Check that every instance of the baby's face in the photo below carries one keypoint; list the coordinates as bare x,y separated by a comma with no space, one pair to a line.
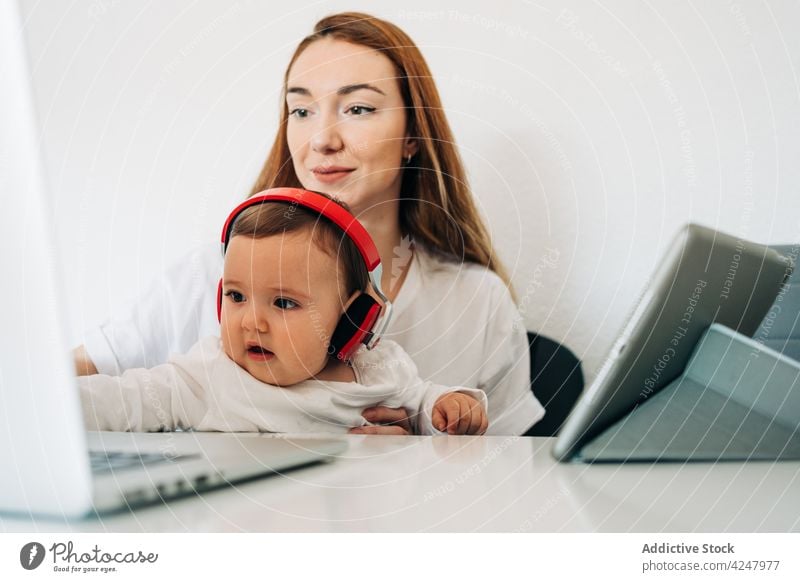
282,298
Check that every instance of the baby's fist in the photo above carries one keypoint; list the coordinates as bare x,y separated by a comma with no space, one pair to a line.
459,413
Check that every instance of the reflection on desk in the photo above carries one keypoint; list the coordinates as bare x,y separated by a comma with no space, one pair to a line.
465,484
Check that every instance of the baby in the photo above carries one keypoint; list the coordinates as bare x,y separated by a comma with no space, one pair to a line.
289,275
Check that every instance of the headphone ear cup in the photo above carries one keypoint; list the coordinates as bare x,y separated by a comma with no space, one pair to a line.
219,301
354,327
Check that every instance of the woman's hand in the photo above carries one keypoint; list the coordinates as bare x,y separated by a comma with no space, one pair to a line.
83,363
459,413
390,421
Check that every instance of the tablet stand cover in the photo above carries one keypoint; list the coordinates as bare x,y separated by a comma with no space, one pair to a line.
737,400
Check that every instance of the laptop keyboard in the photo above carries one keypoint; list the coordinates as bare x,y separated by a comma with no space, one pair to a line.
107,461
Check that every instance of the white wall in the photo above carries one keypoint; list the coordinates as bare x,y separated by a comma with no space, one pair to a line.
591,132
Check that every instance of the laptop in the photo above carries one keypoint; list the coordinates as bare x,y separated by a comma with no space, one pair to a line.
710,291
50,464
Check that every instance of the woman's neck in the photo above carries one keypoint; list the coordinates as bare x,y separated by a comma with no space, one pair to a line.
383,225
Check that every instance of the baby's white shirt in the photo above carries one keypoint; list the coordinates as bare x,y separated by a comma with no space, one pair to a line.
207,391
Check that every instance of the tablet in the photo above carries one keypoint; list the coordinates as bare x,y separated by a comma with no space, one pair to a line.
705,277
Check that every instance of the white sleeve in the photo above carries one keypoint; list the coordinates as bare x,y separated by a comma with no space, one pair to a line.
162,398
173,313
416,395
505,374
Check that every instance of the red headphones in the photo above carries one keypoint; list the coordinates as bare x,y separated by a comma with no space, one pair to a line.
356,325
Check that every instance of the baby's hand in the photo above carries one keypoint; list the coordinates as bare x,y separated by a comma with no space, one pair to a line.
459,413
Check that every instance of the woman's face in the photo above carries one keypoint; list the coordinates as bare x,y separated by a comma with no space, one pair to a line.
347,124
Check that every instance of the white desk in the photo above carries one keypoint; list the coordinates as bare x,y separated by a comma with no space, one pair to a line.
466,484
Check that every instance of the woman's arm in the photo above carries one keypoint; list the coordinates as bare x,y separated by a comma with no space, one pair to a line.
175,310
505,374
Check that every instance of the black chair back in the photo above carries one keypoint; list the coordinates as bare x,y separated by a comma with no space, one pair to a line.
556,381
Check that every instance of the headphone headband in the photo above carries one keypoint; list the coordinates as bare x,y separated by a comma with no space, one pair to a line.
324,206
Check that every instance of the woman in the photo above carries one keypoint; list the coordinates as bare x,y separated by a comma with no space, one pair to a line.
363,121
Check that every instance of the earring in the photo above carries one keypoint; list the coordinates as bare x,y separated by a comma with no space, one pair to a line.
408,159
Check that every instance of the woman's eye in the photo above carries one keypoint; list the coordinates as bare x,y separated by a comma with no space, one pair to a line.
299,112
283,303
360,110
235,296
